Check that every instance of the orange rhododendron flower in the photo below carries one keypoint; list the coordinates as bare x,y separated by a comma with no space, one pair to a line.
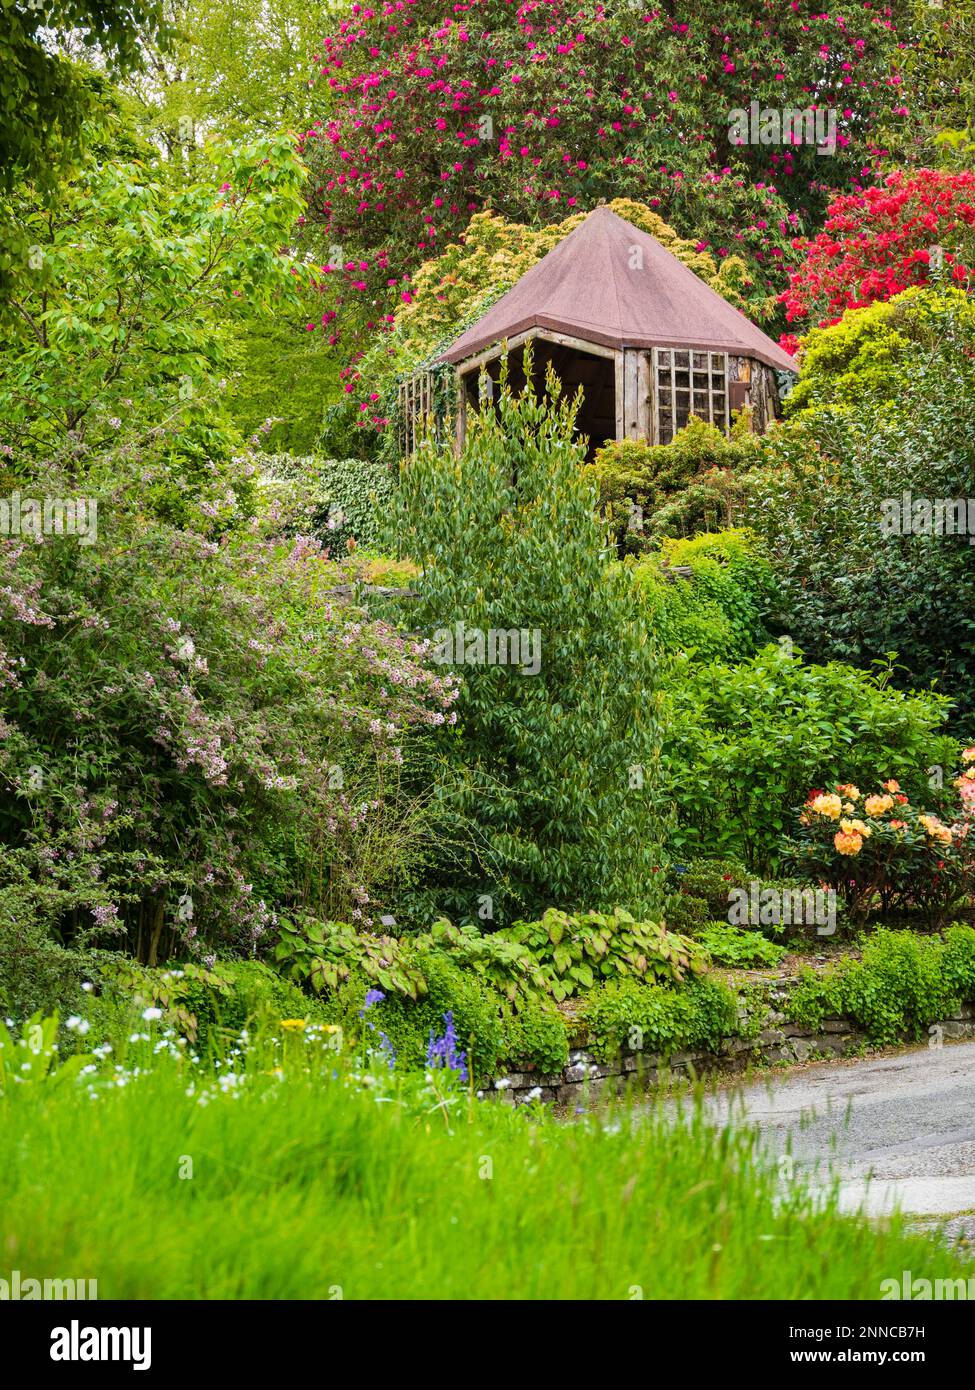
937,831
855,827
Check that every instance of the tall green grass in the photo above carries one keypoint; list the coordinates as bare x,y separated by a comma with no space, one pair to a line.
315,1182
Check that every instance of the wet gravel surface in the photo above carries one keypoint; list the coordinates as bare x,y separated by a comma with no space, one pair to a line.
898,1128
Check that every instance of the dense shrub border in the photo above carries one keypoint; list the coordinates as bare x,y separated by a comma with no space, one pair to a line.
195,732
649,492
720,611
338,500
899,987
745,742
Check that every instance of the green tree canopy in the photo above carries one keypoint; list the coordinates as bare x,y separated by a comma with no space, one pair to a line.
44,98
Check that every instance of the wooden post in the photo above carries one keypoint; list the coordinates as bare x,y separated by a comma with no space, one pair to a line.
644,402
631,393
654,436
461,428
620,396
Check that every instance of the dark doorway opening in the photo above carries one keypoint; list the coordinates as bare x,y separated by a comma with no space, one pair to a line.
596,418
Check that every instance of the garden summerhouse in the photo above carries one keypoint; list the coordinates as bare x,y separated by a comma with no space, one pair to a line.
615,313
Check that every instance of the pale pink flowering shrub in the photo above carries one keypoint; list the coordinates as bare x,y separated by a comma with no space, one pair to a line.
195,736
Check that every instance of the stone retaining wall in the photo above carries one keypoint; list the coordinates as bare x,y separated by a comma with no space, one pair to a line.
781,1041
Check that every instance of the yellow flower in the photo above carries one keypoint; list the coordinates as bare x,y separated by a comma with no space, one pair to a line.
827,805
937,831
847,842
968,756
848,790
891,786
849,807
294,1024
877,805
855,827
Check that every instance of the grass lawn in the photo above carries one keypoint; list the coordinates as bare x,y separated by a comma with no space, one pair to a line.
313,1179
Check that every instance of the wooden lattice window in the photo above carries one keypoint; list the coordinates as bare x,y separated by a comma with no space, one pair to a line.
688,383
416,406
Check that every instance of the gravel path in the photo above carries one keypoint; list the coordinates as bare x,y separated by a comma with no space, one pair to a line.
905,1121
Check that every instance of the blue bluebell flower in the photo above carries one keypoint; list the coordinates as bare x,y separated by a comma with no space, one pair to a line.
373,996
443,1051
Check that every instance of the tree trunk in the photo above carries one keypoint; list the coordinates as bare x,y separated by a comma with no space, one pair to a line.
157,926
